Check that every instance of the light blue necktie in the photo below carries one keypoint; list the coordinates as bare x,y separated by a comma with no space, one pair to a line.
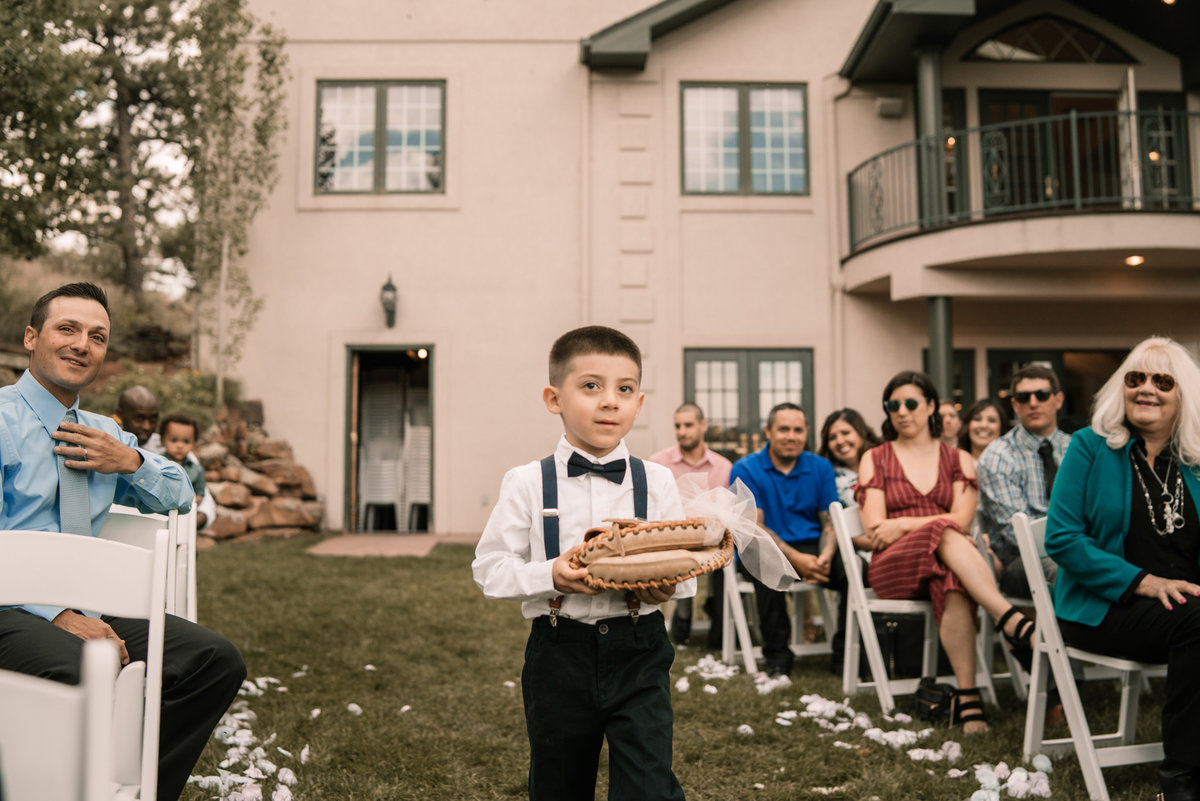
74,509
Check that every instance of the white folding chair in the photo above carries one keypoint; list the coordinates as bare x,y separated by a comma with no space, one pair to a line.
184,591
735,633
1052,655
861,603
114,578
134,527
54,738
987,634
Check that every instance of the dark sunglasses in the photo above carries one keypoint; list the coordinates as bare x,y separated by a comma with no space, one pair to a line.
894,405
1042,395
1164,382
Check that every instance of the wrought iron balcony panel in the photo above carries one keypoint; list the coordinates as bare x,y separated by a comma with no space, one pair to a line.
1067,163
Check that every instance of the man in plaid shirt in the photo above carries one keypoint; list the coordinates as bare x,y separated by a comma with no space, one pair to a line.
1017,470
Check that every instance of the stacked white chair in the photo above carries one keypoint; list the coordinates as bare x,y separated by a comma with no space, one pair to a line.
1052,656
861,603
114,578
54,738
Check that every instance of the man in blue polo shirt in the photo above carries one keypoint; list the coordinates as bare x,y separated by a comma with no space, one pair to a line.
793,489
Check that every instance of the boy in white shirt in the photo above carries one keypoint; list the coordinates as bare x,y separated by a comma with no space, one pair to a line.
597,664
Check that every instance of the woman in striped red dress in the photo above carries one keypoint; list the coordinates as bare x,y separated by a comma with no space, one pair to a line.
917,496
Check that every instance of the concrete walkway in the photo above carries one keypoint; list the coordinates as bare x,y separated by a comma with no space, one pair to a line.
388,544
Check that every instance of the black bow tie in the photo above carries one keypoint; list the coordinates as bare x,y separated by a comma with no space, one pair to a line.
614,471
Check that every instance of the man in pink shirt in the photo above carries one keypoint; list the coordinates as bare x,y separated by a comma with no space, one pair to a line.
692,455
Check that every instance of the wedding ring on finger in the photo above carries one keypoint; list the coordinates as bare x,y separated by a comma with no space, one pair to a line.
85,454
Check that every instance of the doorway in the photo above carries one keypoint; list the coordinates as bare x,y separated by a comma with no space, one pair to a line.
390,439
1049,150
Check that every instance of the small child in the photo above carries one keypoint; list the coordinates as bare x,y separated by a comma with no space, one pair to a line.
597,664
179,433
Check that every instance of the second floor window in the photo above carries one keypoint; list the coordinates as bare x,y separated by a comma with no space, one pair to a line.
380,136
746,139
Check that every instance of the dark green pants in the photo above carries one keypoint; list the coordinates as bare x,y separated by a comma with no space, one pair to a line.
202,672
583,684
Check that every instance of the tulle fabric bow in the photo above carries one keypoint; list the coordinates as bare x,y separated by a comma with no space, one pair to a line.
734,509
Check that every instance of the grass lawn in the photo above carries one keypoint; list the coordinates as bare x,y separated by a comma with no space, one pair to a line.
441,714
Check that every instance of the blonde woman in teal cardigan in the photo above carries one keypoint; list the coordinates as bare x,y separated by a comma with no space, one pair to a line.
1124,530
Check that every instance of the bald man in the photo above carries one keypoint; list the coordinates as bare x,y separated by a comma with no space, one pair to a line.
137,413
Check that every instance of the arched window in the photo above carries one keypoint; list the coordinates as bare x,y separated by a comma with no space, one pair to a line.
1049,39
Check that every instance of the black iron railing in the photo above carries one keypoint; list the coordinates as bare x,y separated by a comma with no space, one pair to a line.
1131,161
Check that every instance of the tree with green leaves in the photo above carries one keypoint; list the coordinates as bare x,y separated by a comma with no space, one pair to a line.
124,120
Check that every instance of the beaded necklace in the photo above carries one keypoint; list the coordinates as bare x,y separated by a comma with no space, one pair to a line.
1172,501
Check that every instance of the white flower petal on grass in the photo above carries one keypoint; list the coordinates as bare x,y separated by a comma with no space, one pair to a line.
783,721
1042,762
254,773
304,754
510,684
709,667
354,708
861,721
919,754
404,709
789,714
956,773
985,795
711,690
828,790
282,793
1002,771
287,754
249,688
281,689
299,674
840,744
951,750
759,786
745,730
986,776
286,776
315,713
683,685
1039,784
266,766
901,717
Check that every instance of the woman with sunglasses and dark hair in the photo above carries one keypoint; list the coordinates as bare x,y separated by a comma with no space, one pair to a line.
845,437
918,497
1124,531
985,421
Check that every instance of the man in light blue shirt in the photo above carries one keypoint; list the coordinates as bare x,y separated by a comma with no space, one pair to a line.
40,421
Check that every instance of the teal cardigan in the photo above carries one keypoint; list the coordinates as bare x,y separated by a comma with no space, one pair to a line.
1087,524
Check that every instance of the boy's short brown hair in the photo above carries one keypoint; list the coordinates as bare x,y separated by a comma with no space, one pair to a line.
587,340
180,418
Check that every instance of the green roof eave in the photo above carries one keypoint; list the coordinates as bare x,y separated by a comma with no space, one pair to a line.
626,45
884,49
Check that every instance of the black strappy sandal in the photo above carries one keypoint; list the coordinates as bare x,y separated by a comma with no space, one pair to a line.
1020,642
967,707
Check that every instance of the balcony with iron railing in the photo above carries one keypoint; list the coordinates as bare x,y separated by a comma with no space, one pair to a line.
1072,163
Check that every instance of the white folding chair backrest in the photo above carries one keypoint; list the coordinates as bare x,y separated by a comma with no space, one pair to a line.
92,574
133,527
54,738
184,595
1052,655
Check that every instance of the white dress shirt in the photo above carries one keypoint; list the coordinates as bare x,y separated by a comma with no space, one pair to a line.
510,560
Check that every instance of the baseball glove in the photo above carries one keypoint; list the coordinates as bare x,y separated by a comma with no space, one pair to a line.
635,554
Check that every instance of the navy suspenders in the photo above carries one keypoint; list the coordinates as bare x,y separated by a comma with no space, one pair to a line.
637,472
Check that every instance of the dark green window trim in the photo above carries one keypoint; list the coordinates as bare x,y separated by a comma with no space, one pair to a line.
745,145
322,155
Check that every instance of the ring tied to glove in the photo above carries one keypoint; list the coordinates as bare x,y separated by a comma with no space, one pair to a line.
636,554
